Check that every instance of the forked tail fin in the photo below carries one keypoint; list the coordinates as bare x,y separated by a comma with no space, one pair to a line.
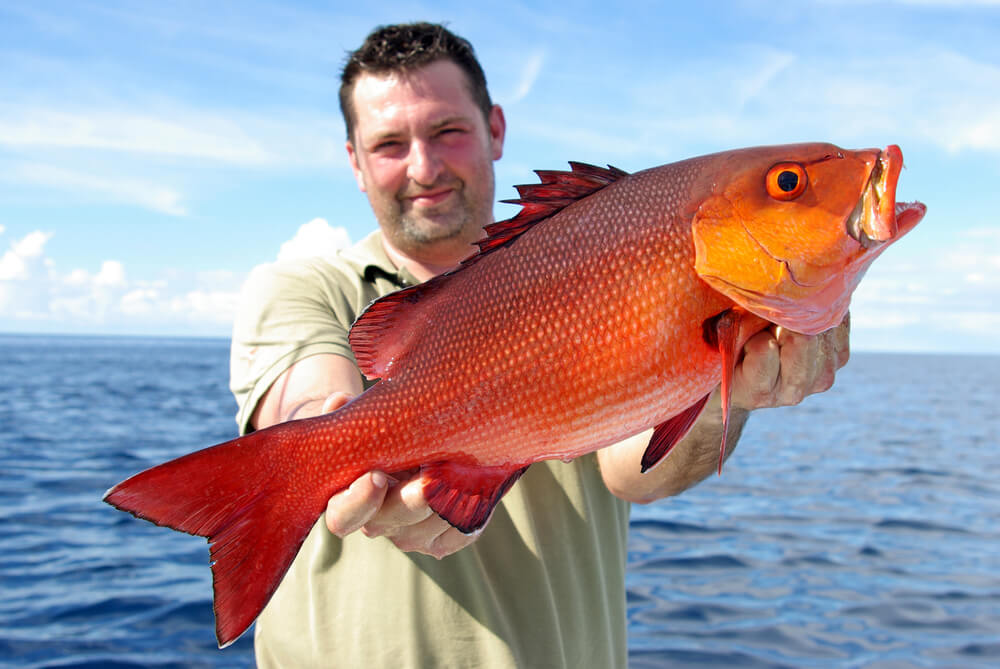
250,498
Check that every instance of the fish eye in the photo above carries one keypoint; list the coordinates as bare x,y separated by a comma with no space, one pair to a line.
786,181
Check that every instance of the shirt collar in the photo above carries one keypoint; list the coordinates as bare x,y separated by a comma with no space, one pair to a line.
369,256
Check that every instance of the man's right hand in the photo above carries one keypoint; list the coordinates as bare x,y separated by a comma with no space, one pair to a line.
393,507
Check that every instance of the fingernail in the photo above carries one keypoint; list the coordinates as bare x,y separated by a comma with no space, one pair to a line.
381,480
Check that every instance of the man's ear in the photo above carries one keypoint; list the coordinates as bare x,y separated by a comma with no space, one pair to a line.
352,156
498,129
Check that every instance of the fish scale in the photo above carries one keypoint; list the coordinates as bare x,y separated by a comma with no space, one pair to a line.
612,303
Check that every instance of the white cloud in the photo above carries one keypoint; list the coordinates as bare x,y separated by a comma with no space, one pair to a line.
940,295
758,95
23,274
206,306
112,274
529,75
16,263
145,158
315,238
117,188
219,136
36,294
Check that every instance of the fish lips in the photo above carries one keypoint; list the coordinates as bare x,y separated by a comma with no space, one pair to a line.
878,218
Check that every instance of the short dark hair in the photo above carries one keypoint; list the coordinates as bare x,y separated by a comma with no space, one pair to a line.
407,47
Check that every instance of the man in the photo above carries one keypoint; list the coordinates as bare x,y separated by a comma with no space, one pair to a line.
543,583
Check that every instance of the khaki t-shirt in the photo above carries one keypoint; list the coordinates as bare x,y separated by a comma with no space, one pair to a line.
544,586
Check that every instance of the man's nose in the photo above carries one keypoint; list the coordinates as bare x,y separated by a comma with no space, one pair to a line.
424,166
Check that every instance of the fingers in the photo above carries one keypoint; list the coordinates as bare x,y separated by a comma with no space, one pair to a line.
403,507
805,366
431,536
350,509
756,377
398,512
781,368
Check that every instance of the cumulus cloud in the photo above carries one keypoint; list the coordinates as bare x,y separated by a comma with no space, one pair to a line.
23,273
36,294
17,262
315,238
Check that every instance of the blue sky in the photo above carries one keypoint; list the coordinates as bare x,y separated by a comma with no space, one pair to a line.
151,154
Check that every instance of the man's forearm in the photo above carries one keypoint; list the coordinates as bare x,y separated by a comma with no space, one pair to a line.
689,462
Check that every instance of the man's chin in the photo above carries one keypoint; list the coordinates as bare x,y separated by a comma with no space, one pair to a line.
425,231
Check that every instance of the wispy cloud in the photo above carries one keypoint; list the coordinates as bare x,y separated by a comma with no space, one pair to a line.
116,188
762,95
200,134
943,295
530,70
213,139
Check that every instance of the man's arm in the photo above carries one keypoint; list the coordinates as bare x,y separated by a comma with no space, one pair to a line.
779,368
375,503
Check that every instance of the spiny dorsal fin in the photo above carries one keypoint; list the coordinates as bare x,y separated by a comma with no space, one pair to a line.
376,341
556,191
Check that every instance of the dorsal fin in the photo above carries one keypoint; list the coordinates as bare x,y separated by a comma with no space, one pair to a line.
557,190
375,338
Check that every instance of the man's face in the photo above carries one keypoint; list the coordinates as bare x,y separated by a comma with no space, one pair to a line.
423,153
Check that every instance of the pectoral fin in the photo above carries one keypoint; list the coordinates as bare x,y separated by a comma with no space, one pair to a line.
669,432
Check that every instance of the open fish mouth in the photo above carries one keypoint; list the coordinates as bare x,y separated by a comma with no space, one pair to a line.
873,221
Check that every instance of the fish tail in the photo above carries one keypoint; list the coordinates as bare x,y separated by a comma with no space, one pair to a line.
250,499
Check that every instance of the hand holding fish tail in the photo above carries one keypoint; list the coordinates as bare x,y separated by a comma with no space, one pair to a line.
781,367
380,505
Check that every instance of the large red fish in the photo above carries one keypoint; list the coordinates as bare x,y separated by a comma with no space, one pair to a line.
612,303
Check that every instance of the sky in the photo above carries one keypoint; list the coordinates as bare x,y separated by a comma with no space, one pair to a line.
151,154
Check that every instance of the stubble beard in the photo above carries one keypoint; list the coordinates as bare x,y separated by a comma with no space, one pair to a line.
465,219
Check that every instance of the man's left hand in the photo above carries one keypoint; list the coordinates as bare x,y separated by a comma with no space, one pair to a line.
781,368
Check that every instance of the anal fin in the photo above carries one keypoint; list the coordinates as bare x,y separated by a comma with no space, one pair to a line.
669,432
465,495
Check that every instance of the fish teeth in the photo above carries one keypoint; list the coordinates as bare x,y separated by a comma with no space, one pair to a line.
856,221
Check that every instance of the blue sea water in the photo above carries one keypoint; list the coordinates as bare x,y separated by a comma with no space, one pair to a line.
859,529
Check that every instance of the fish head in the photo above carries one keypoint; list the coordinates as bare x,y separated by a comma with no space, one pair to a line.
788,232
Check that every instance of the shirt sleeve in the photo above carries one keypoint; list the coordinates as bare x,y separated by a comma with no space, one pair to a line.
287,312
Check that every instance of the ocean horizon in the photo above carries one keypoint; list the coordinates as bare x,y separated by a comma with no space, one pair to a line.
858,529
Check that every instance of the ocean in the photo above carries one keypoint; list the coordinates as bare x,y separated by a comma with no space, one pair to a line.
858,529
